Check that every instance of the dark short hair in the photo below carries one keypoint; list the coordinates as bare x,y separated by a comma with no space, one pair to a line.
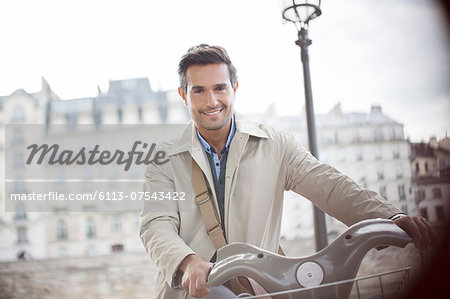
201,55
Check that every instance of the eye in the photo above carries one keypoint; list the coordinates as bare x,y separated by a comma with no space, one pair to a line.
220,88
198,91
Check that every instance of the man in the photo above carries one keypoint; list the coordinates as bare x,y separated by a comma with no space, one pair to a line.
248,166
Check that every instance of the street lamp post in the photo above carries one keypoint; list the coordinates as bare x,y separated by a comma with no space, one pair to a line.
300,12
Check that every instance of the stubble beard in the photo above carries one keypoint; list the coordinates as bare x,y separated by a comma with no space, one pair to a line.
212,125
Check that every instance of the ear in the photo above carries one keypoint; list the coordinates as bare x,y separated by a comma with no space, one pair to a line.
235,87
183,96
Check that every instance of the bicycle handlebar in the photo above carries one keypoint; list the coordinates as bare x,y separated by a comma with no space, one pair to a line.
338,261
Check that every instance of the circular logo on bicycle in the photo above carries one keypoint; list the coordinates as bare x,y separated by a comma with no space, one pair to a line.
309,274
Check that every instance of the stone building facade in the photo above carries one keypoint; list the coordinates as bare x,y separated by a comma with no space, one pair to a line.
369,147
60,232
431,179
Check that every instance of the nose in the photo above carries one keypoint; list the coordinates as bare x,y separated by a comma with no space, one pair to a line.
213,99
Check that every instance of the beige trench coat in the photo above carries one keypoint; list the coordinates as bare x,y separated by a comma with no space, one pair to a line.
262,164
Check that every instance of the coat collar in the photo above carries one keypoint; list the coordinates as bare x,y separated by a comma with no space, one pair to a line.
188,140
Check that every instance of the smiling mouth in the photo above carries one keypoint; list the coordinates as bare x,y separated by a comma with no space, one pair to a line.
213,113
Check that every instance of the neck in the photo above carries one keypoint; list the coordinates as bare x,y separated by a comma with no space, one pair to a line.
216,138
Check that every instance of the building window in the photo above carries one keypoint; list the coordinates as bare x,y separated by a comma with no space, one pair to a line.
71,121
97,117
18,115
417,168
119,115
377,135
359,154
399,171
392,134
20,213
377,153
380,174
383,192
17,137
441,163
396,153
426,166
440,213
420,194
116,225
437,193
61,230
424,212
19,161
401,192
22,235
117,248
19,186
140,114
90,228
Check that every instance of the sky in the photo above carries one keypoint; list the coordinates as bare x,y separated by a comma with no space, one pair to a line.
373,52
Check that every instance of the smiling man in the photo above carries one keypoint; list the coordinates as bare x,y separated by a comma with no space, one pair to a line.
209,95
247,167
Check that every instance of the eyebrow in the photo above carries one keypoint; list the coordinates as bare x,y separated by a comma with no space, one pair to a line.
221,85
215,85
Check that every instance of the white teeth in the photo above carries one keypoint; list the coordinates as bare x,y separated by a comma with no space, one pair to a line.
213,113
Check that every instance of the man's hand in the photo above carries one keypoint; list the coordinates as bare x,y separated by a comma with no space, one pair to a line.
418,229
195,272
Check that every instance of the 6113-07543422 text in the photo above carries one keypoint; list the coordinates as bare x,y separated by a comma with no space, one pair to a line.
98,195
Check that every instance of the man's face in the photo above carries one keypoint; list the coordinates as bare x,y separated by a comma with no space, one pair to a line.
209,95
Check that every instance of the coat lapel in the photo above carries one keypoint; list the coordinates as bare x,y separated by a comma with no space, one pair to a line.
234,155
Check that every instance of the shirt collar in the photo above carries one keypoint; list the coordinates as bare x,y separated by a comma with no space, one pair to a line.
208,148
187,139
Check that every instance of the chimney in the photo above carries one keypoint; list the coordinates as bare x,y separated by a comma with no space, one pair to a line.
336,110
433,142
376,109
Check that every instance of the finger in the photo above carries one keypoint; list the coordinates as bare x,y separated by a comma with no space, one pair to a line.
408,225
190,286
200,286
193,291
185,284
423,231
198,291
431,233
414,231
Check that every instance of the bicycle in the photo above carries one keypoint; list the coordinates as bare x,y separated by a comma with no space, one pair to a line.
329,273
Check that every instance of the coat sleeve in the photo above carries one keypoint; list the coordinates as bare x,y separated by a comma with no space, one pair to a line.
330,190
160,222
